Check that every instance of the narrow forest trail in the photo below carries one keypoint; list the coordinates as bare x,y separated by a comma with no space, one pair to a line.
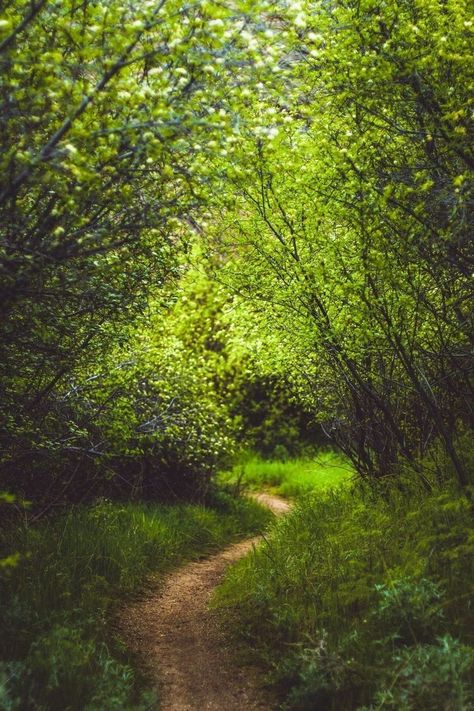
180,642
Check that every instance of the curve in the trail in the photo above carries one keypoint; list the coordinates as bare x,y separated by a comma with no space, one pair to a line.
182,644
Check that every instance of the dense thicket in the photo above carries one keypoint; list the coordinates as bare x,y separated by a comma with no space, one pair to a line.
322,153
115,121
354,225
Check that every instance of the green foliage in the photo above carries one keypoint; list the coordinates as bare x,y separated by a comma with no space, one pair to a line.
167,408
359,597
65,669
411,610
151,420
56,648
293,477
116,119
133,134
316,158
350,241
427,675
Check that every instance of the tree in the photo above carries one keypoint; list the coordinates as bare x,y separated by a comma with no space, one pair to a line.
115,118
353,228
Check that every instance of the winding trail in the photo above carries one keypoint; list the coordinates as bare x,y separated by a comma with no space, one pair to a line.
181,644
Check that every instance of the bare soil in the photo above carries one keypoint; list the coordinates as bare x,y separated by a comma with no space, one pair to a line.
183,648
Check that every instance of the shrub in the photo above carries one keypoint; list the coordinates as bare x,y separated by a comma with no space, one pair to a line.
429,676
67,670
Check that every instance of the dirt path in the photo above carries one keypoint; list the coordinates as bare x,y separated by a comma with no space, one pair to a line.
181,643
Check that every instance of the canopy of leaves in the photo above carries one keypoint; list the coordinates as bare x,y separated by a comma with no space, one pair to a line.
320,157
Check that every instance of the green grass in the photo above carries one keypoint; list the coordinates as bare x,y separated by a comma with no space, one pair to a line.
359,597
57,650
292,478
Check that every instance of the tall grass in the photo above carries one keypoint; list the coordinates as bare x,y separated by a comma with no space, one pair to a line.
292,478
362,598
57,650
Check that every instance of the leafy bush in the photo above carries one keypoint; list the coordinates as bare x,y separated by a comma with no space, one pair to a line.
429,676
149,421
167,429
411,610
66,669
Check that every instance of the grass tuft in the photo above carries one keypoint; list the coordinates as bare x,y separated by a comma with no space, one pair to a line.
292,478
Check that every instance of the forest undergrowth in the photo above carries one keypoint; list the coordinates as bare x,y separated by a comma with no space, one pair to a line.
58,648
361,598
